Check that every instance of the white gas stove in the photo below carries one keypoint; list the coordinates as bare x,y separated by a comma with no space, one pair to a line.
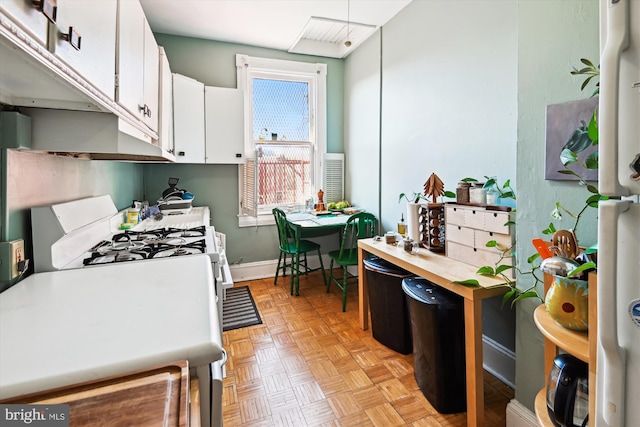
85,235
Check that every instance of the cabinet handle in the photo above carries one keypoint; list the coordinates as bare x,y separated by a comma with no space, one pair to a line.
48,8
238,155
73,37
170,150
181,153
146,111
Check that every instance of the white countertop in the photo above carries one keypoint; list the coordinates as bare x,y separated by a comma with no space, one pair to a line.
64,327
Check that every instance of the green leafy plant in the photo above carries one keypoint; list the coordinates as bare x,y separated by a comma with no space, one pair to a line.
581,139
591,71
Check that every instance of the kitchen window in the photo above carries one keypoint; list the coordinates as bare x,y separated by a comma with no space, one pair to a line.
285,135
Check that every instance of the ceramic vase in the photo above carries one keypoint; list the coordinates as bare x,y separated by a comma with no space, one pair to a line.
567,302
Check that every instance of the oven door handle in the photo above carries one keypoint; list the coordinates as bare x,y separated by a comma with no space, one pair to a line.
223,361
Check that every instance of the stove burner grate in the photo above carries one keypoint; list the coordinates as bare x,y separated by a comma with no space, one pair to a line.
197,247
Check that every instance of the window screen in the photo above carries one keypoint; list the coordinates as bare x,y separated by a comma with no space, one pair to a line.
280,110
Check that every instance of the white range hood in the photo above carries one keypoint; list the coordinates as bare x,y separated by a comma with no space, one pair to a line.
100,136
31,76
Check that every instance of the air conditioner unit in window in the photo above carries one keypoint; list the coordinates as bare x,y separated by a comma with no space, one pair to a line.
333,177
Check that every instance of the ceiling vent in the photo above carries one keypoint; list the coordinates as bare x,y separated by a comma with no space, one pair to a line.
327,37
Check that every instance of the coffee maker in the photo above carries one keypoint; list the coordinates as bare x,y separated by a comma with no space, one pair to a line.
568,392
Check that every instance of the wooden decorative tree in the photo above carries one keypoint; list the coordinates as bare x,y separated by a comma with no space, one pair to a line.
431,216
433,188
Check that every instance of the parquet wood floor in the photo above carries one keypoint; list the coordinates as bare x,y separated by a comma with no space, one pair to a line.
310,364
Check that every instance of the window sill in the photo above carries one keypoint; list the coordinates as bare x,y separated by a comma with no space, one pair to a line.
252,221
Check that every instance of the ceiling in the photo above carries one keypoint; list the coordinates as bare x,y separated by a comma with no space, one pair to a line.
276,24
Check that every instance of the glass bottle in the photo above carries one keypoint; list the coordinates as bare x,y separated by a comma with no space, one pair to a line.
402,226
492,196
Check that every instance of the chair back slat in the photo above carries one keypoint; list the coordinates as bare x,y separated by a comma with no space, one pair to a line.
359,226
285,233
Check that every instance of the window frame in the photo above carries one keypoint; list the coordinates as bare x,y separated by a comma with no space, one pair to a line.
316,75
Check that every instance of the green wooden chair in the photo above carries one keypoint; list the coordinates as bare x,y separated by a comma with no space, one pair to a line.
291,244
359,226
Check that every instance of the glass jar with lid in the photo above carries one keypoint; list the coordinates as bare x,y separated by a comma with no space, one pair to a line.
477,194
462,192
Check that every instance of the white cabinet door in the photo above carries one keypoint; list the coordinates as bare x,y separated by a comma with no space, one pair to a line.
224,128
188,119
165,122
151,78
27,17
137,59
95,24
130,56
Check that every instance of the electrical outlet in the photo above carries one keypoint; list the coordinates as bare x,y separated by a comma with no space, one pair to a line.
17,255
11,254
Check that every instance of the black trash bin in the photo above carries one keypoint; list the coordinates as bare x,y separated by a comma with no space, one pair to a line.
437,324
389,316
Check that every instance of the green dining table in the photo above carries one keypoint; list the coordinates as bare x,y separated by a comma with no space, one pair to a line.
317,225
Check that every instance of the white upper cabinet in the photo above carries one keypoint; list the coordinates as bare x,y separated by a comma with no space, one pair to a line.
165,126
84,37
137,64
29,17
188,119
224,128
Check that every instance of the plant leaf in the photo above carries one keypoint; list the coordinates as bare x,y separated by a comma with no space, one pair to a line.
472,283
529,294
588,63
486,271
469,180
593,201
507,195
592,161
593,127
450,194
567,157
593,249
592,189
568,172
503,267
507,296
491,244
550,229
533,258
583,267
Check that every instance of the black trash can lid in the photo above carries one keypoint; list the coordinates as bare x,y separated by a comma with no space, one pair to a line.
383,266
420,289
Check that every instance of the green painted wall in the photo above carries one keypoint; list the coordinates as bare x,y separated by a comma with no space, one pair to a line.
213,63
470,100
552,37
424,98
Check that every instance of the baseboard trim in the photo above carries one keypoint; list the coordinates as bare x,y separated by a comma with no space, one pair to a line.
499,361
519,416
264,269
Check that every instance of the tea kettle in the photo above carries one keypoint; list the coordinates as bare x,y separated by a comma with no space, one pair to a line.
568,392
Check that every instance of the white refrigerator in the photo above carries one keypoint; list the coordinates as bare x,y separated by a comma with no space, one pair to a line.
618,358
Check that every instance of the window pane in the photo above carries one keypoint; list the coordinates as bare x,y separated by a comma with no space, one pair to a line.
284,174
280,107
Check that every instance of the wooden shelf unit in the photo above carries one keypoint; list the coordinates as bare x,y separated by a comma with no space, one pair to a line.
579,344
